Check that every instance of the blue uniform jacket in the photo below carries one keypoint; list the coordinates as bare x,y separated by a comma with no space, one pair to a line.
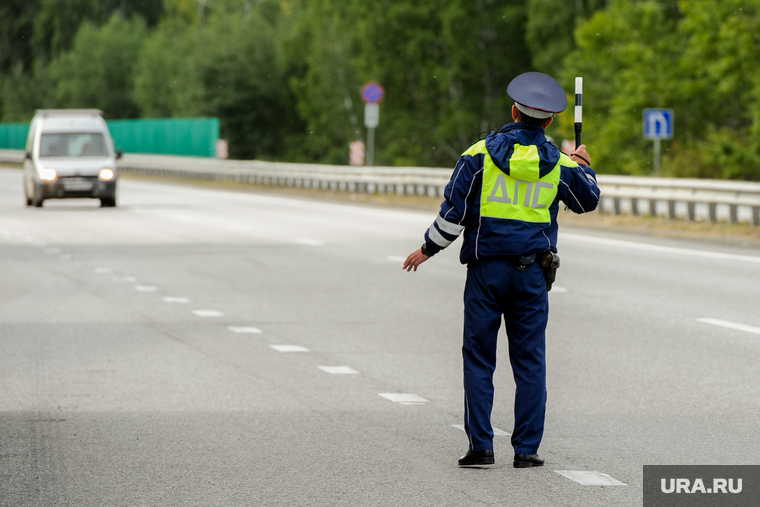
486,237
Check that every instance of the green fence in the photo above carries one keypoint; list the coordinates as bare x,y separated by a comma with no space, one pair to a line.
13,135
166,136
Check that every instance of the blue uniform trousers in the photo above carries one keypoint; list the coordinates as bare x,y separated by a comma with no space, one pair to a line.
494,288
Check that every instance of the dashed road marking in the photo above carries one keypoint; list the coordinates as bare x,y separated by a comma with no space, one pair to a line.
309,242
404,398
103,270
496,431
557,288
244,329
395,258
208,313
338,370
731,325
171,299
124,279
290,348
590,478
146,288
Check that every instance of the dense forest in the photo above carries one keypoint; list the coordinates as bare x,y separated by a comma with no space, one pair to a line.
284,76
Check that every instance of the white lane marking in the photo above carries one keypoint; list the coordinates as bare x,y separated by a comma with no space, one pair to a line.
244,329
310,242
124,279
171,299
661,249
338,370
289,348
395,258
104,270
208,313
403,398
496,431
146,288
590,478
557,288
731,325
53,250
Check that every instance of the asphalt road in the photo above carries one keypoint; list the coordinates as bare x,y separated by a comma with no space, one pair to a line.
142,359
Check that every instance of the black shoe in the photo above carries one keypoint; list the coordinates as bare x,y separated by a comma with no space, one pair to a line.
528,460
477,458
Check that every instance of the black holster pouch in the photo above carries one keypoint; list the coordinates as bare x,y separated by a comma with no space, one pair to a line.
549,263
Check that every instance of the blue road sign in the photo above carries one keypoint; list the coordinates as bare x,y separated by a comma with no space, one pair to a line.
658,123
373,93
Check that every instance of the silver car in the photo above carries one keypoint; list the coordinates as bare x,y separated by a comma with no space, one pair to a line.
70,153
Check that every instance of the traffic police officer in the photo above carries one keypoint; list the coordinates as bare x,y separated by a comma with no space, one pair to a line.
504,195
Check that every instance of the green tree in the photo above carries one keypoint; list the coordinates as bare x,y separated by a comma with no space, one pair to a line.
550,30
445,68
629,58
99,70
167,79
245,81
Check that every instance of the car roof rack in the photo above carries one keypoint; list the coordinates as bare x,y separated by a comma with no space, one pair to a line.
69,112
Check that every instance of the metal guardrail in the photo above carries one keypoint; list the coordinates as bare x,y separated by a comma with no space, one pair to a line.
691,199
14,157
691,193
399,180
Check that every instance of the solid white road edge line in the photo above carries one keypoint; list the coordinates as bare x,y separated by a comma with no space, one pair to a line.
590,478
731,325
655,248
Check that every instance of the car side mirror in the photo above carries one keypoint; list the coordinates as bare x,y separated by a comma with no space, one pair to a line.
119,154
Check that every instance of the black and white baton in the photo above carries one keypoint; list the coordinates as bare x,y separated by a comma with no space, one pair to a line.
578,110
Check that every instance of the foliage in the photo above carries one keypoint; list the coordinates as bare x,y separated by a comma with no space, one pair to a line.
167,80
99,70
284,76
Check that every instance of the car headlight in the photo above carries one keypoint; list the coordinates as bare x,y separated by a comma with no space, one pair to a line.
106,174
48,174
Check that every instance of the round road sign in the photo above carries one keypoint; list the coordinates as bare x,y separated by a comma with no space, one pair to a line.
373,92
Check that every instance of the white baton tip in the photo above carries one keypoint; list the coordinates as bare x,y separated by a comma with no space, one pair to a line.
578,114
578,85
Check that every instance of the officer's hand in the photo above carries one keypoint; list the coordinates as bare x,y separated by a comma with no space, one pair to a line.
415,259
580,154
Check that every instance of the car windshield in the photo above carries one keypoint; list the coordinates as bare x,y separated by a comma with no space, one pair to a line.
80,144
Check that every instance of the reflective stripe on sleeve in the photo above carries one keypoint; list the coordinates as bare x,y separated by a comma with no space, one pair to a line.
448,227
437,238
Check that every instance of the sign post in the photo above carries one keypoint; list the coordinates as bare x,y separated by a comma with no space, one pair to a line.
658,124
372,94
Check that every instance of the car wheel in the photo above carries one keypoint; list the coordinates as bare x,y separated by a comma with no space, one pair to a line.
108,202
26,196
37,197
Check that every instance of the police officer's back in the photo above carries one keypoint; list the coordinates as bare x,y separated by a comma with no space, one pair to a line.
504,195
